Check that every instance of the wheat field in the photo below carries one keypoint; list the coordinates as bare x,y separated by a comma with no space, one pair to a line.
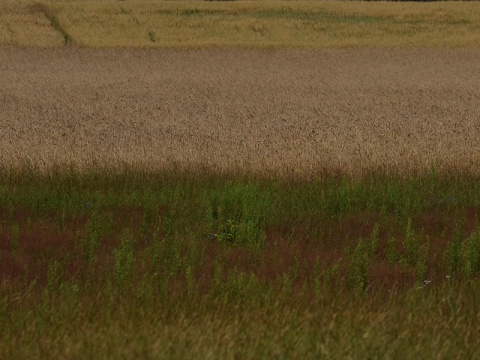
270,112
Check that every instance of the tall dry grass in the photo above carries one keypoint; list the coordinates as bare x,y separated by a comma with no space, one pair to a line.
288,113
20,25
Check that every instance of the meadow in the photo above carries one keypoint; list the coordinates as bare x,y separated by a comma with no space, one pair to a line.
264,24
239,180
174,265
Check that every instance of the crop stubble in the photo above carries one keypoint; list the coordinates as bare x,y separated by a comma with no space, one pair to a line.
285,112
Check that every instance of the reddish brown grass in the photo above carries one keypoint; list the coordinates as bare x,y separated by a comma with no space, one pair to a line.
41,241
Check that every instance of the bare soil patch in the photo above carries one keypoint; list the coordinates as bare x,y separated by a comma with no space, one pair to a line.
274,112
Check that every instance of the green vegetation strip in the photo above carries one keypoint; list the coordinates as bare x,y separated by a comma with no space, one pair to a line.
181,265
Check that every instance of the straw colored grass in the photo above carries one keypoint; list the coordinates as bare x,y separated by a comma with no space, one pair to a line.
148,24
21,26
286,113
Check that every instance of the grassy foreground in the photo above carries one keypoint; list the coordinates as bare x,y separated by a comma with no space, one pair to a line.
190,24
197,265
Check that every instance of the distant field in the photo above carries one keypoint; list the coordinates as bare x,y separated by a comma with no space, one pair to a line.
180,24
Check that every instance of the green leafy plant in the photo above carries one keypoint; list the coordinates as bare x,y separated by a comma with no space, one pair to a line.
90,241
453,253
228,232
358,265
392,250
412,244
471,254
124,258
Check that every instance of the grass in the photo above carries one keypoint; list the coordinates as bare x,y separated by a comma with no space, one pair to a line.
172,264
20,26
175,264
198,24
54,22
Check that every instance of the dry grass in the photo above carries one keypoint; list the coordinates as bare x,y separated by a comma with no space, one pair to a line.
288,112
20,25
147,24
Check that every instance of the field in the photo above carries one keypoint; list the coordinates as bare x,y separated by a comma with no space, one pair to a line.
239,180
286,113
271,24
181,265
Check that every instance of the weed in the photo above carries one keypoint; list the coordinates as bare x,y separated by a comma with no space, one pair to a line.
392,250
422,263
358,263
15,238
164,274
91,238
471,254
54,276
124,258
228,232
374,241
411,244
152,36
330,276
454,251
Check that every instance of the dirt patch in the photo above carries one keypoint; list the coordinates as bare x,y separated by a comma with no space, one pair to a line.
275,112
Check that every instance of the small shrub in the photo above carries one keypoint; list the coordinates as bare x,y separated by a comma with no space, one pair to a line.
228,232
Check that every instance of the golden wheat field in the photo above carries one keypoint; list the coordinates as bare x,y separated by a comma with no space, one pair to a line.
288,112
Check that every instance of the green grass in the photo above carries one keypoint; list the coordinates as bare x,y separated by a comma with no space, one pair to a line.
182,265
